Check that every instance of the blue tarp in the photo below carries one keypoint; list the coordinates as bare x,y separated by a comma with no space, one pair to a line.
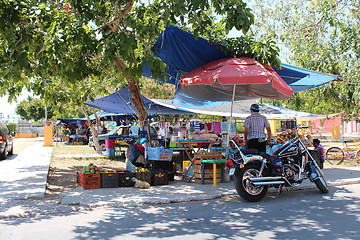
120,102
102,116
182,53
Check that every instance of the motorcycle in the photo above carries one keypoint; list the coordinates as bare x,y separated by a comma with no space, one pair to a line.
255,171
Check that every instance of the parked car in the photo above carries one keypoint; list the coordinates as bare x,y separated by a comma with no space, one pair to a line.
120,132
6,142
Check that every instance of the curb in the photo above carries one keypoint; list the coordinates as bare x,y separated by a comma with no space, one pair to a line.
203,197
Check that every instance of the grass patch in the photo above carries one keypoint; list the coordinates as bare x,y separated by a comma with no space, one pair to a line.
72,149
78,149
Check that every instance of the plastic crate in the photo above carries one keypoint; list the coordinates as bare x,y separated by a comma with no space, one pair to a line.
125,179
159,178
159,154
144,176
110,180
90,181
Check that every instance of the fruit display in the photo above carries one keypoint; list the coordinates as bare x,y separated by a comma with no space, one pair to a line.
140,169
90,169
289,134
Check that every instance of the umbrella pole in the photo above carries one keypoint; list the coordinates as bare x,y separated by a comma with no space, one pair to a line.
229,125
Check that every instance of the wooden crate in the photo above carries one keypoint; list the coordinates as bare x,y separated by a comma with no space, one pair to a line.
208,175
218,170
207,167
208,181
208,156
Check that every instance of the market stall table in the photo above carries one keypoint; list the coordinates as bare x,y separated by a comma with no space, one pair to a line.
188,144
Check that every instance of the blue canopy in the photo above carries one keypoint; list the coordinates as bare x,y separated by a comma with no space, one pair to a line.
182,53
102,116
120,102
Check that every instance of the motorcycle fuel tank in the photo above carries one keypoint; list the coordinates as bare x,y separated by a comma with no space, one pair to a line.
288,149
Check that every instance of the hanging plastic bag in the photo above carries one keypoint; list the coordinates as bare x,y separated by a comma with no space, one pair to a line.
189,174
128,164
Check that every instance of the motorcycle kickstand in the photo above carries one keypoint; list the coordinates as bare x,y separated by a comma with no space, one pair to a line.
280,189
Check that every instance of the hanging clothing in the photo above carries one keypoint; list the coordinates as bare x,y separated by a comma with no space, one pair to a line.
197,126
217,127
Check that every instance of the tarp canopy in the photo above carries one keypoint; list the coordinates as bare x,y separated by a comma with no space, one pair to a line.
120,102
242,110
103,116
71,121
182,53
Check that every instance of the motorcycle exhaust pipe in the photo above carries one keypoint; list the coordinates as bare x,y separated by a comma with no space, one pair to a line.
268,183
265,179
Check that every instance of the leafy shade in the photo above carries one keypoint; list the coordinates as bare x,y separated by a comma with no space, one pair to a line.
322,36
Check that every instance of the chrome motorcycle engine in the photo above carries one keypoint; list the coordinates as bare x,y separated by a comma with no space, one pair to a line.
291,172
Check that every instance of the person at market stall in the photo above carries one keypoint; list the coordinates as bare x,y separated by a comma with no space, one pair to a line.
137,152
320,148
168,135
104,130
254,133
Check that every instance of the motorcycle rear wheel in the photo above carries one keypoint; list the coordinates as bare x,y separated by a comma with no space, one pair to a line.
245,190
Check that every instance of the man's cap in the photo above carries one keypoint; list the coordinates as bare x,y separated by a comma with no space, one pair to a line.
255,107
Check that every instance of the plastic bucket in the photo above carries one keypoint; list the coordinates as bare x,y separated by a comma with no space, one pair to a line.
110,143
185,164
110,152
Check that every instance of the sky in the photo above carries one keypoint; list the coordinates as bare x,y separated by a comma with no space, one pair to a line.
8,109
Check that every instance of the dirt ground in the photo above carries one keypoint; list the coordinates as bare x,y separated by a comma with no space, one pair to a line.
63,168
62,171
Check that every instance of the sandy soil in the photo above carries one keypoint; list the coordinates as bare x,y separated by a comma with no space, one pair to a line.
62,170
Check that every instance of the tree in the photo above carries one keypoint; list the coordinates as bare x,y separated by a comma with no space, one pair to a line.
323,36
57,47
32,109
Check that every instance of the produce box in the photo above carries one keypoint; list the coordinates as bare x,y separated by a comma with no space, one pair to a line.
144,176
125,179
159,154
159,178
110,179
90,181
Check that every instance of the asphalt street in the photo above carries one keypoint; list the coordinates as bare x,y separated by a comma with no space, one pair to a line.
303,214
23,183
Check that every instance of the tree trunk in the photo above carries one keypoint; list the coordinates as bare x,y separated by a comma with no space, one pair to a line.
137,101
94,129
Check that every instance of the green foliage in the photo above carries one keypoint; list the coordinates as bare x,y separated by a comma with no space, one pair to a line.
33,109
71,51
322,36
11,127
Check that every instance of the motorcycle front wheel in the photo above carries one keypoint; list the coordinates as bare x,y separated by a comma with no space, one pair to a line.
243,186
321,183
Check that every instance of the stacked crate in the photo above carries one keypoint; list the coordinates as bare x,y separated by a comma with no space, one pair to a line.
208,168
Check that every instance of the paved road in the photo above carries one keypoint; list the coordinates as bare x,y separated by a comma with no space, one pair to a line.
294,215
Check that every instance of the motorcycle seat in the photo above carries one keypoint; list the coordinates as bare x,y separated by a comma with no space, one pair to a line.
268,156
250,151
